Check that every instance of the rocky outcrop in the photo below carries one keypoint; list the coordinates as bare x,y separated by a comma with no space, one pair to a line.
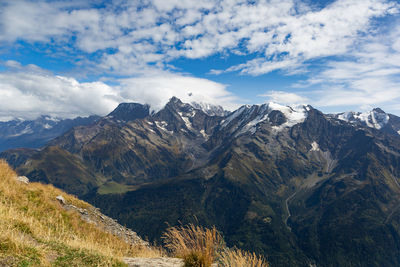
94,216
22,179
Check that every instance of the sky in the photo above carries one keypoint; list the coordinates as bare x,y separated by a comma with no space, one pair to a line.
81,57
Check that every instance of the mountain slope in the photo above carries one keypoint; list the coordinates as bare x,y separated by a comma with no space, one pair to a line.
37,230
290,182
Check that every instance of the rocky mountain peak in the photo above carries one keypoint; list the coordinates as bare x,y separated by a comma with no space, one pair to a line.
378,110
375,118
174,101
210,109
247,118
181,117
130,111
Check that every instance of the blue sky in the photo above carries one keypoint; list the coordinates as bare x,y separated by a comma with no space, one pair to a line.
70,58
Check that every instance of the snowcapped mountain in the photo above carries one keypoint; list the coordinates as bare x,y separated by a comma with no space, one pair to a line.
376,118
210,109
247,118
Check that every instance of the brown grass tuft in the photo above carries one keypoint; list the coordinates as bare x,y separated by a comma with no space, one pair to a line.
239,258
197,246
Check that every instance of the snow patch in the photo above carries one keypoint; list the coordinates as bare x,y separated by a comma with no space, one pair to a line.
47,126
372,119
26,130
314,146
49,118
203,133
186,120
234,115
346,116
252,125
259,113
162,125
294,115
210,109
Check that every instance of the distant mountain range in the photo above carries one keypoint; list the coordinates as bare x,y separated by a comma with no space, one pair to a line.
302,187
36,133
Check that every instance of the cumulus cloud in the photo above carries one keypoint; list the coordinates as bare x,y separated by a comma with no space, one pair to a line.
42,20
28,93
156,90
286,98
133,35
141,39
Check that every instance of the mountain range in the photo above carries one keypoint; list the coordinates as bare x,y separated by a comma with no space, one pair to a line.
36,133
302,187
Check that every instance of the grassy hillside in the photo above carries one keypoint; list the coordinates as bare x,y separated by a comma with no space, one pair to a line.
35,230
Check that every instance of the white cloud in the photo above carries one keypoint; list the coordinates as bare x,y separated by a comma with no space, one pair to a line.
286,98
368,76
28,93
172,29
309,35
157,89
12,64
259,66
142,38
40,20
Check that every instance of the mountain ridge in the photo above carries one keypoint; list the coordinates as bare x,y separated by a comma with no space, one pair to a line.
36,133
269,177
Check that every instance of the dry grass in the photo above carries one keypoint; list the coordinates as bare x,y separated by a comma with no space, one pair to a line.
201,247
197,246
239,258
36,230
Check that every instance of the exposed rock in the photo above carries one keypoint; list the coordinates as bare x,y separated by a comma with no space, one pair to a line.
130,112
94,216
61,199
22,179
